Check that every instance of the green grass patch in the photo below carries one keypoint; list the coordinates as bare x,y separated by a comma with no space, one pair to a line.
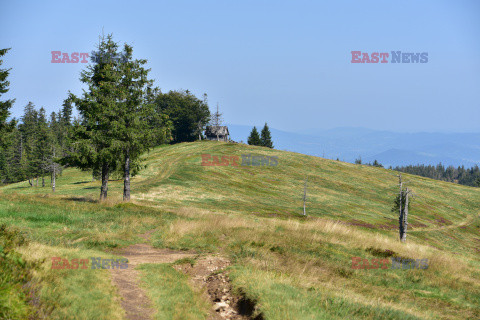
171,294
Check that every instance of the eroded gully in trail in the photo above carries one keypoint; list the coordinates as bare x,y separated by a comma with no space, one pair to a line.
206,274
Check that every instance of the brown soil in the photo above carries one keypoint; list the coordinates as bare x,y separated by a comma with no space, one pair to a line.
208,273
134,299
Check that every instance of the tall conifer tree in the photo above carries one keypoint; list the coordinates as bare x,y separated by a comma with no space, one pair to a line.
95,145
254,138
6,127
134,109
266,137
116,112
5,106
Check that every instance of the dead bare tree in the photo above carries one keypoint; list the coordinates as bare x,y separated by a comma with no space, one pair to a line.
403,201
52,167
305,196
199,129
217,121
54,172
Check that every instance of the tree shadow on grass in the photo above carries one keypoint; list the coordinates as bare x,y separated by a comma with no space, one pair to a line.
81,182
20,187
82,199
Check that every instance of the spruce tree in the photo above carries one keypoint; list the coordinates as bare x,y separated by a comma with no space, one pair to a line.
95,145
5,106
43,145
116,113
28,131
63,128
6,127
266,137
15,159
254,138
66,113
52,165
134,109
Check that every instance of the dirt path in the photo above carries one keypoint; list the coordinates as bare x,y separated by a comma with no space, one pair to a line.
134,299
206,274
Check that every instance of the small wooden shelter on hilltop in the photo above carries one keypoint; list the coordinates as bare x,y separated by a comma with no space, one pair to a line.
219,133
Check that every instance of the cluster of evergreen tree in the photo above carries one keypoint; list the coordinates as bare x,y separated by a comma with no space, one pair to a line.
121,115
117,120
34,145
375,163
461,175
6,127
26,148
264,139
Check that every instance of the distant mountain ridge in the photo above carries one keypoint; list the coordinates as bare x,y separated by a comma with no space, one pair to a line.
389,148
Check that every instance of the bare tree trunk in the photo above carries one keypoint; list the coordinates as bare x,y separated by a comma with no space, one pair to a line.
93,175
21,148
53,179
37,183
305,196
405,217
400,216
43,182
126,181
54,173
31,182
104,188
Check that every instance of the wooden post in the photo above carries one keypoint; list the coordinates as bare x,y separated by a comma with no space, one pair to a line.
305,196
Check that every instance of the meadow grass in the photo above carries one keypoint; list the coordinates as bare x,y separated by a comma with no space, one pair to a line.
171,294
73,293
72,229
294,267
315,256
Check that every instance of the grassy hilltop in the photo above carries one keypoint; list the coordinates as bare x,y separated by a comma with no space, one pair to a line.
293,267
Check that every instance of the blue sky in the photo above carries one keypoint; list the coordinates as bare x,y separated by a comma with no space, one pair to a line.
284,62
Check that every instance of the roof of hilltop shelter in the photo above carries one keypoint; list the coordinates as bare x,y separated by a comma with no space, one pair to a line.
214,130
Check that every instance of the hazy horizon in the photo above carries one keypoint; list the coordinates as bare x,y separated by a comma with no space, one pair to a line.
308,131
